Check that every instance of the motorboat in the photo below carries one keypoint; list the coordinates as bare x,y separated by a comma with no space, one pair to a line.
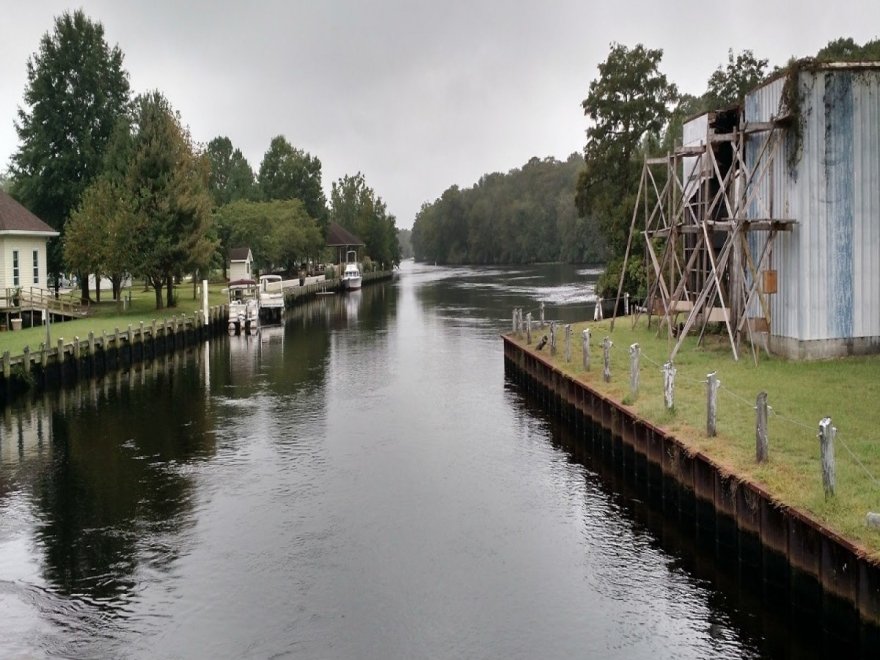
244,307
351,274
271,298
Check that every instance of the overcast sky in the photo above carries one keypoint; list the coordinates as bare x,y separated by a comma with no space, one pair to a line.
416,95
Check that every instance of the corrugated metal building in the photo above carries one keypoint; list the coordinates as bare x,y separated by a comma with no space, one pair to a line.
828,265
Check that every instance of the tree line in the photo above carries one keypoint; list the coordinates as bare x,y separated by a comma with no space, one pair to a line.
580,210
120,177
526,215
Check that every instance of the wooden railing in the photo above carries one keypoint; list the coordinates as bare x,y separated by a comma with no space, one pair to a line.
36,299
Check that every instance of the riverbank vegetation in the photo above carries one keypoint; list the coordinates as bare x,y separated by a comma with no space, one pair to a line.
799,394
120,177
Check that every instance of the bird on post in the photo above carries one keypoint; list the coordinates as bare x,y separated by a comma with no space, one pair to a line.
542,343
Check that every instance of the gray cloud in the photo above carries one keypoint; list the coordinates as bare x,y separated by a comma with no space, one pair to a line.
416,95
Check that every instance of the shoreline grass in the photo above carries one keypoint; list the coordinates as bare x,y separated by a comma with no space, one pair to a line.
109,315
799,394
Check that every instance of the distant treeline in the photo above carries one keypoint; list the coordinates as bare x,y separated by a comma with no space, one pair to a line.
527,215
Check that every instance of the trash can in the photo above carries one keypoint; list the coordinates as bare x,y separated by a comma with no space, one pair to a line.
16,324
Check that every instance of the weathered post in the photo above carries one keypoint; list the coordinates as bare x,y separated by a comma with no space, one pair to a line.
826,444
634,352
712,384
585,347
761,448
76,351
626,304
606,365
568,342
552,337
669,385
61,350
7,366
542,314
130,334
26,359
597,310
513,330
529,328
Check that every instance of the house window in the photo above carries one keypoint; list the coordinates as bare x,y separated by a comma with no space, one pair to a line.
36,266
15,280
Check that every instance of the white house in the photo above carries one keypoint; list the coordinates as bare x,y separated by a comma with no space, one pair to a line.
240,264
23,239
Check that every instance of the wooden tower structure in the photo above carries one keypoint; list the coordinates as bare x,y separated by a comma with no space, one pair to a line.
706,219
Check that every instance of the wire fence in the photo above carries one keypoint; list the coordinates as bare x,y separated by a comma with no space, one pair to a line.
745,401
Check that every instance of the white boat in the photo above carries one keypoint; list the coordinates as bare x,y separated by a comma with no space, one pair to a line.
271,298
244,307
351,275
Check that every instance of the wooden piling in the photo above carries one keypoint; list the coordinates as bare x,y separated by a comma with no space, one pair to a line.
606,359
585,347
669,385
827,433
761,445
712,384
634,352
568,342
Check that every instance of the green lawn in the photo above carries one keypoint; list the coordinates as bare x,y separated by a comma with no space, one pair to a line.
799,393
109,315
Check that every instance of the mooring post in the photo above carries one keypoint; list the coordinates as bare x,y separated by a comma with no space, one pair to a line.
130,334
7,366
92,345
669,385
626,304
712,384
606,365
61,350
529,328
513,329
634,352
761,448
585,347
542,314
552,337
26,359
568,342
826,444
141,333
76,350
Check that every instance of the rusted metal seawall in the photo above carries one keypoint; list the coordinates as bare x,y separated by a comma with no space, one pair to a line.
786,546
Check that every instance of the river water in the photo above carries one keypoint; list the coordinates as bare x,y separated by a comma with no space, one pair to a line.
360,483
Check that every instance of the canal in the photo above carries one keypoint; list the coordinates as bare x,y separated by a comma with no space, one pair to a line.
362,482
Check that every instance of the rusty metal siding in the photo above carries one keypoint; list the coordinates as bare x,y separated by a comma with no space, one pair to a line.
829,265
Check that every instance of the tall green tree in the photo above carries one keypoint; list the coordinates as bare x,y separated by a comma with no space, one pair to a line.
728,86
355,206
76,89
630,99
290,173
231,175
168,183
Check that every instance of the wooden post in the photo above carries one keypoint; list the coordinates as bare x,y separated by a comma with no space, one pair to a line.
568,342
529,328
585,347
761,448
61,350
542,314
141,333
26,359
7,367
597,310
606,365
513,330
826,444
712,384
92,345
44,357
552,337
130,334
76,349
116,340
669,385
634,352
626,304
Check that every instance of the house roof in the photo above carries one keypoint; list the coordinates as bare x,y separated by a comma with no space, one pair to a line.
15,218
339,236
239,253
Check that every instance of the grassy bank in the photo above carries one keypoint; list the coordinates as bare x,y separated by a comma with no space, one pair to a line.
109,315
799,393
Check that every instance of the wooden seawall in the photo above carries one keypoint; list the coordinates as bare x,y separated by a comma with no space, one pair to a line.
94,355
790,550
